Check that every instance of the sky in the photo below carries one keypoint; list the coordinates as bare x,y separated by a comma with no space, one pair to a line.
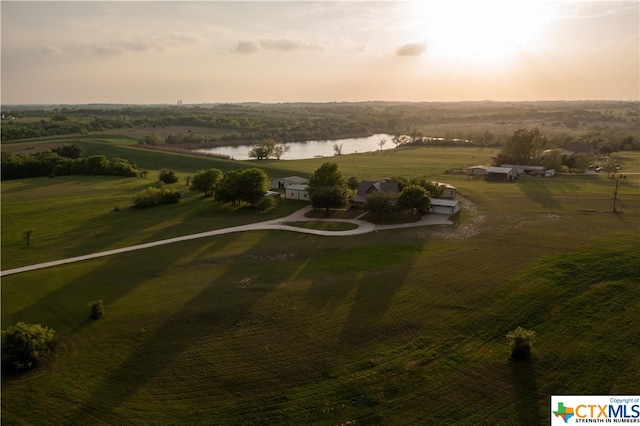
158,52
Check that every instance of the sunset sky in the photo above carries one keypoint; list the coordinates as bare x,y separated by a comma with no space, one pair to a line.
200,52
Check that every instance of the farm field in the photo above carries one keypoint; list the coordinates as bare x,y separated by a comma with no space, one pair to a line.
271,327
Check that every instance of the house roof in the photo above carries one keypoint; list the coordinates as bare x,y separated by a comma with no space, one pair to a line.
501,170
382,186
443,202
297,187
479,167
523,167
446,185
294,179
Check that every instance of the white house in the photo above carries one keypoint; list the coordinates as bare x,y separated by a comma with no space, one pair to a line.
449,191
288,181
442,206
296,192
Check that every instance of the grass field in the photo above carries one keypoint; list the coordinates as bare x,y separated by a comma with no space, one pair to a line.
271,327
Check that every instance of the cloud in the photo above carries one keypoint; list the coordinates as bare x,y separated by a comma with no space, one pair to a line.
145,43
246,47
286,45
278,45
412,49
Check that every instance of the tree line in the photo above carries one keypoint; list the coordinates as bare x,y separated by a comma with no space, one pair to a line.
64,160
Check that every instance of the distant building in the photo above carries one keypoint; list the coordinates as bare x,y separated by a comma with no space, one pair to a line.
501,173
524,170
477,170
296,192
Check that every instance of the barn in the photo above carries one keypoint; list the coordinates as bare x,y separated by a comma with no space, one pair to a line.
288,181
477,170
501,173
296,192
442,206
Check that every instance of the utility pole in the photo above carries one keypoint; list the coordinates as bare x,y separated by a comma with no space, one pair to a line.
615,195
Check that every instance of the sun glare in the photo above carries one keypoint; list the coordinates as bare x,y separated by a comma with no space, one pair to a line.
478,31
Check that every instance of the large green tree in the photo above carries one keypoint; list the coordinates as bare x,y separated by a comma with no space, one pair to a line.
265,148
414,198
522,147
380,202
206,181
327,188
248,185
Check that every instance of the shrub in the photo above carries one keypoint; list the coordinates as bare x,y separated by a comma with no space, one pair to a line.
521,340
267,203
25,346
97,309
154,196
168,176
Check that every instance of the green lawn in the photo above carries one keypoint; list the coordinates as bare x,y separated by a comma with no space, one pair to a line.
273,327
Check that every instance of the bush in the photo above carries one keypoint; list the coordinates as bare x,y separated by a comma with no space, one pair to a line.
97,309
521,340
168,176
154,196
267,203
25,346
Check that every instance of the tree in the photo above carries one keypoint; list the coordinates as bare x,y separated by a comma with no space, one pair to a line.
280,150
327,188
337,148
328,197
413,197
522,147
206,181
227,190
353,183
252,186
168,176
247,185
262,149
381,142
380,202
25,346
68,151
521,341
26,236
552,160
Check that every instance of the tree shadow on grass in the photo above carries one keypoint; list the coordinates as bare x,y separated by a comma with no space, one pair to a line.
217,308
523,379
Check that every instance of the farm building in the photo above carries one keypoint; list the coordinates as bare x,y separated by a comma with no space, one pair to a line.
296,192
368,187
525,170
442,206
478,170
288,181
501,173
449,191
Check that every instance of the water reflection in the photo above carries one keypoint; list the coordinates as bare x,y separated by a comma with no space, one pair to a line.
311,149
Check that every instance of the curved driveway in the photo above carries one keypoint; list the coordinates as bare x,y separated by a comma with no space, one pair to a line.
280,224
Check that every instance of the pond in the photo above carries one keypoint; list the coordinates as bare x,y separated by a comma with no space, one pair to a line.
311,149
